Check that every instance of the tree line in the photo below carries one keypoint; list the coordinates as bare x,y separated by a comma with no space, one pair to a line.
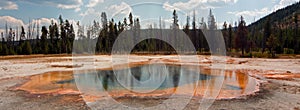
55,39
241,39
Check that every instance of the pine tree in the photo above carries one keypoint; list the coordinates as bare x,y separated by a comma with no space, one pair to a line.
22,37
71,38
187,26
295,36
130,17
272,43
267,33
175,20
230,37
195,37
63,36
203,25
211,21
225,35
104,20
57,45
111,35
125,23
44,42
102,43
27,50
241,39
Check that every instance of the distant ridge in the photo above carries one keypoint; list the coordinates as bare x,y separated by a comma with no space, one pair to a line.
283,17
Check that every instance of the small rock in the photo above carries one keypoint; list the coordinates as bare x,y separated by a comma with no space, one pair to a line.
241,62
4,68
284,89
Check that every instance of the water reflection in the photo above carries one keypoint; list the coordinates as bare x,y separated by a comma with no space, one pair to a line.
242,80
236,83
141,73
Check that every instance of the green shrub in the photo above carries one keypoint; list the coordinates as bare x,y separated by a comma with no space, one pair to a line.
261,55
288,51
11,51
26,49
4,50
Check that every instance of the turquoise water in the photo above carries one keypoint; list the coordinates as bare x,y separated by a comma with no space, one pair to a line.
173,76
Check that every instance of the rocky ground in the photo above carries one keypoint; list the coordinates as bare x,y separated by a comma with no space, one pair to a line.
280,88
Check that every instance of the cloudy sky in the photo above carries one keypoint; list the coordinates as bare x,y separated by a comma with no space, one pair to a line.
20,12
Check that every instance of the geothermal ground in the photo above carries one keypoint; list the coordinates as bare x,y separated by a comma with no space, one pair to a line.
279,80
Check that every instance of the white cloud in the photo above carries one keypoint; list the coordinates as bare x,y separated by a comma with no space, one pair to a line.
63,4
123,8
192,4
89,11
72,4
90,14
264,11
77,9
251,13
93,3
167,6
11,21
43,21
112,11
284,3
8,5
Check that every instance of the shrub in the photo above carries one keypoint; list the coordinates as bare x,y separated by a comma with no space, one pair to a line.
27,50
261,55
288,51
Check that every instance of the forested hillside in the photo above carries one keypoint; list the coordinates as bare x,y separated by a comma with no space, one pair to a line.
284,16
278,31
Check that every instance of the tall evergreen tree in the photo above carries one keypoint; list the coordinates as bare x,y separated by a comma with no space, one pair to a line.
175,20
187,26
102,43
104,20
194,21
63,35
230,37
125,23
80,31
267,33
26,48
22,36
272,42
295,36
241,39
212,25
130,17
203,25
225,35
195,39
44,43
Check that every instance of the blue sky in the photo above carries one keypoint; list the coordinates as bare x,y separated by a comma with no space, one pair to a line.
19,12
